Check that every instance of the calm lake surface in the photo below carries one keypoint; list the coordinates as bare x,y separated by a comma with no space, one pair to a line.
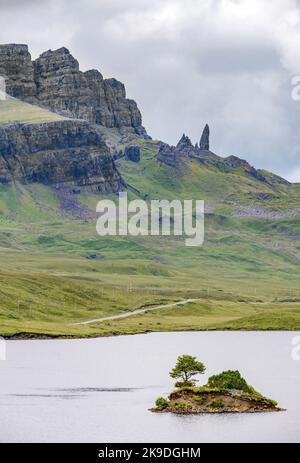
100,390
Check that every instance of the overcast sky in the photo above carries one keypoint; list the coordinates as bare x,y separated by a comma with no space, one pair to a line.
225,62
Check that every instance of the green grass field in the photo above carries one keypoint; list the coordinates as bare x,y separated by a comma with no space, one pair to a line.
13,110
246,276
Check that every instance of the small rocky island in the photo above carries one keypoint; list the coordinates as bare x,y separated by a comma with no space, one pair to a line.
227,392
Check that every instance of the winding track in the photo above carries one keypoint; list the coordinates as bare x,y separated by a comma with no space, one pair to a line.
135,312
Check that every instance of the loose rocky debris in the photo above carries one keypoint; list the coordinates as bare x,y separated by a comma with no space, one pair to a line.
254,211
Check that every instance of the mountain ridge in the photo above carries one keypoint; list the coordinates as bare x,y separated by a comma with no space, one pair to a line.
57,272
54,81
172,156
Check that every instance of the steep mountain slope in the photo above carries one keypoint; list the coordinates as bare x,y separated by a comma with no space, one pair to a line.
57,271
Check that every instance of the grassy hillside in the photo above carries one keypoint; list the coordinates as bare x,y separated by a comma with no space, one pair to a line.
57,271
13,110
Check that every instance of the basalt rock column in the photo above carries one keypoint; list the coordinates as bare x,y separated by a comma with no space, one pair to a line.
204,140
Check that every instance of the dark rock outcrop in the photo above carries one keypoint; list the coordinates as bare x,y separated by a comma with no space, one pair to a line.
54,81
184,144
60,86
236,163
168,155
172,155
57,153
133,153
204,140
17,69
273,179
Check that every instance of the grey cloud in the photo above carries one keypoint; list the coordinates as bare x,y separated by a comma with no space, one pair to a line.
11,4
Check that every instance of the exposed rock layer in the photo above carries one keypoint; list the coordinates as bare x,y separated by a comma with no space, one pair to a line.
59,153
214,401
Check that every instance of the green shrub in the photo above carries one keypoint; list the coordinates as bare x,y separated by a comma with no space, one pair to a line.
273,402
230,380
161,402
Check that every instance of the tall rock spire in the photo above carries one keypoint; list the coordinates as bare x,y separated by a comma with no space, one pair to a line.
204,140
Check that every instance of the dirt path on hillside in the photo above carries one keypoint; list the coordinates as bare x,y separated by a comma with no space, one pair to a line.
136,312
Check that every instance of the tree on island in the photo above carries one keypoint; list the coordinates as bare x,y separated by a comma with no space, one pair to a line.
213,397
185,369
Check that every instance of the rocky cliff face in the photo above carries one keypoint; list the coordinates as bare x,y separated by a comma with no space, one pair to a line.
54,81
57,153
17,69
